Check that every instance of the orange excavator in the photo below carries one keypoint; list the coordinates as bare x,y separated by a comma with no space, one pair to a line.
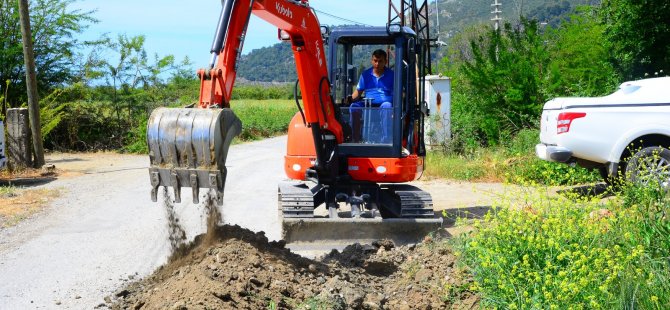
348,183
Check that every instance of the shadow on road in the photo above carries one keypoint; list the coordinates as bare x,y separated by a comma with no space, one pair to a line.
65,160
27,181
593,190
451,215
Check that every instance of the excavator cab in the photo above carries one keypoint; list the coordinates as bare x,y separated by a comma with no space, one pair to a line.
374,131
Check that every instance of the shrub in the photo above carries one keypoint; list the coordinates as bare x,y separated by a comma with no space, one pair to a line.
572,252
524,167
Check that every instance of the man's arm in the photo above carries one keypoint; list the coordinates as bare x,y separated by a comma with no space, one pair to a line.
360,88
355,95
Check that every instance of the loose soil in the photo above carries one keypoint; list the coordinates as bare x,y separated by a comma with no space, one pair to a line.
234,268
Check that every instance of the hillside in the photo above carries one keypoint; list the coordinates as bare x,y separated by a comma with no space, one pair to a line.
458,14
275,63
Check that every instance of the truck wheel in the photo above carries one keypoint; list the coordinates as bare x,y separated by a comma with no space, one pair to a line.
651,165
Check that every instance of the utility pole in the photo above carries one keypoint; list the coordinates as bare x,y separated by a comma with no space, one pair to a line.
437,22
496,14
31,84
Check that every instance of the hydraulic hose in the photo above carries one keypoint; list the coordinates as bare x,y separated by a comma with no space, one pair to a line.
323,107
297,102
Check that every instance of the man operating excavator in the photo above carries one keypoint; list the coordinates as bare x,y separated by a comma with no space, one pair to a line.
376,83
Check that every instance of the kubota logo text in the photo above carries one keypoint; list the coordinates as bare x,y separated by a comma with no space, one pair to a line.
283,10
318,54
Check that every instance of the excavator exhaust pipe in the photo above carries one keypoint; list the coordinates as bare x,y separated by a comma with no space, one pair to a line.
188,148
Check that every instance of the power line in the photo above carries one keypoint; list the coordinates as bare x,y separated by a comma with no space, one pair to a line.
341,18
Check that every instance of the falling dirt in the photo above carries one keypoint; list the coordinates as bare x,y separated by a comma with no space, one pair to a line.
176,233
233,268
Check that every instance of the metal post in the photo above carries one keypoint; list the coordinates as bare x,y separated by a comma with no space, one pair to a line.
31,83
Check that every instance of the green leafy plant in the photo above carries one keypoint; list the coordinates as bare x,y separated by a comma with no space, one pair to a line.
535,251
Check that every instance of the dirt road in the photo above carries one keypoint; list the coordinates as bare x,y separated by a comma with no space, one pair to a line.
104,230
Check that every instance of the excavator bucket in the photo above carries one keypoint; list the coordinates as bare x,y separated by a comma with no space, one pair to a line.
188,148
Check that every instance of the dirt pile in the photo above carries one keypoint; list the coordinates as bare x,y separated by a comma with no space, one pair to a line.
240,269
235,268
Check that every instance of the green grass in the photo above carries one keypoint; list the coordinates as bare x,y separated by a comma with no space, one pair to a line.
572,252
7,191
263,118
513,162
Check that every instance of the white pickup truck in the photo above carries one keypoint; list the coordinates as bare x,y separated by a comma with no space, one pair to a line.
626,133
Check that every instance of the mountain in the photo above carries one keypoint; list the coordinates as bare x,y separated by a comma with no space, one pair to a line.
268,64
275,63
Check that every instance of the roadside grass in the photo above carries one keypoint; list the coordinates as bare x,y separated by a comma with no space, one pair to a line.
572,252
260,119
263,118
17,204
7,191
511,162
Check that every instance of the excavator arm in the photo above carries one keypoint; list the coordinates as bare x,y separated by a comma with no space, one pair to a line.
297,20
188,147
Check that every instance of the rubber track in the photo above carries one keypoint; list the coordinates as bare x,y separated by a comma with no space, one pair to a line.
415,203
296,200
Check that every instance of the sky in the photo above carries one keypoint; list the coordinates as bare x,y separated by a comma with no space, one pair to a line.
186,28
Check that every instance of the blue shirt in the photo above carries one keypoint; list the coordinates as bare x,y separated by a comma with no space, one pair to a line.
379,89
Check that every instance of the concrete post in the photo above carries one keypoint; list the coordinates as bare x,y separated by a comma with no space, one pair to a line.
18,139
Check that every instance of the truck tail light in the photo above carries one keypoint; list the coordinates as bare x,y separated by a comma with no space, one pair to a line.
565,120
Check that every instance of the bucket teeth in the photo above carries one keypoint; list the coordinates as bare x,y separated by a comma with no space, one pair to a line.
188,148
194,186
155,183
174,181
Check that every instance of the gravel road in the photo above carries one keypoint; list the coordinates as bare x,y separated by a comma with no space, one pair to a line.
104,230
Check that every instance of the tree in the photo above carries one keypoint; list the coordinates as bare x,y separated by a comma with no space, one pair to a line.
504,76
133,69
640,35
55,27
581,62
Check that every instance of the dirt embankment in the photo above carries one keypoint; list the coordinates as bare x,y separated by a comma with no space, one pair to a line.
234,268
